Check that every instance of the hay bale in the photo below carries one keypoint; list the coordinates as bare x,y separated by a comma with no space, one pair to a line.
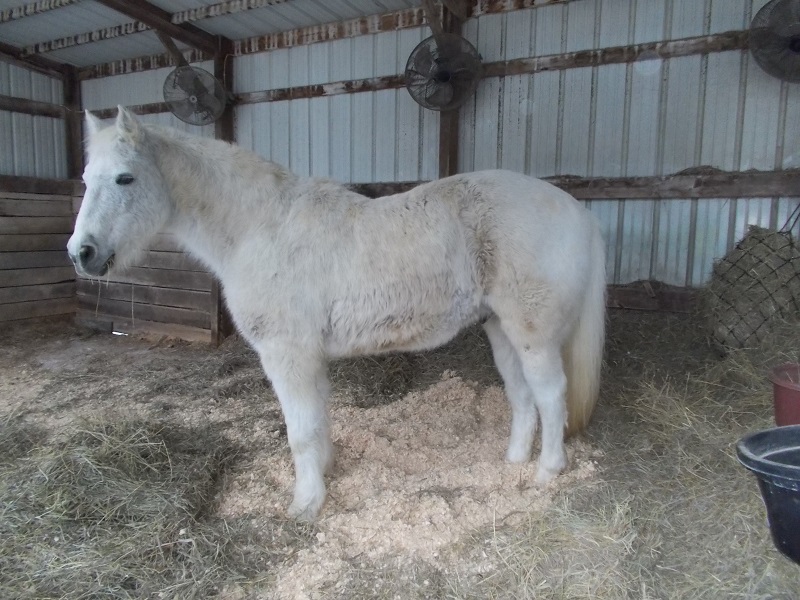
753,287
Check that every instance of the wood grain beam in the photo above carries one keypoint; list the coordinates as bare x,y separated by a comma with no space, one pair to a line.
73,114
220,9
705,44
161,20
221,320
40,64
36,185
703,182
449,120
31,107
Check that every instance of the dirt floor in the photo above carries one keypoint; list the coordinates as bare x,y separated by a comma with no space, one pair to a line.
421,505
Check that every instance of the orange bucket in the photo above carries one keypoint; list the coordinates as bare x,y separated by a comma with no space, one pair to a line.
786,393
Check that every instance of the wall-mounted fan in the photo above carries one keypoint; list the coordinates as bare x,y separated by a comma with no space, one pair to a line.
775,39
192,94
443,71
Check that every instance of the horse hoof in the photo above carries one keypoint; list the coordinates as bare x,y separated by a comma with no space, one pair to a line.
306,511
545,475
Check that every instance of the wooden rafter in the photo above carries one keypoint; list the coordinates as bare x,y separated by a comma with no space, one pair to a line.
108,33
220,9
40,64
371,24
458,8
432,16
159,19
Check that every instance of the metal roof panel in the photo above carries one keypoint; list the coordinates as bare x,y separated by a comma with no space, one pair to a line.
129,46
69,20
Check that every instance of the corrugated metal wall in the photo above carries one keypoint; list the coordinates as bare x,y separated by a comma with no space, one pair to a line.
364,137
648,118
31,146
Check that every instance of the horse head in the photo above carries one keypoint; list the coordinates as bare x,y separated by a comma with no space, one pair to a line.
127,199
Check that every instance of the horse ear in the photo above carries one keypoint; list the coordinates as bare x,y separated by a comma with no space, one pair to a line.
128,125
93,124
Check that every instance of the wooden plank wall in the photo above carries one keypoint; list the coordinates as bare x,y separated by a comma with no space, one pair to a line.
36,277
165,292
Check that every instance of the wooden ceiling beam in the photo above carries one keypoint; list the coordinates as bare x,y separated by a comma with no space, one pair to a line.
458,8
40,64
160,20
211,11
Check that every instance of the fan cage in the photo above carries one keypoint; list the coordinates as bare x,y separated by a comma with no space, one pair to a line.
775,39
442,72
194,95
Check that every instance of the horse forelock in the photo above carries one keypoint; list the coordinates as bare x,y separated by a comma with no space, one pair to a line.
101,141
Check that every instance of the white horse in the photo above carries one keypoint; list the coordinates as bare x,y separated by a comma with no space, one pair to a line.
312,271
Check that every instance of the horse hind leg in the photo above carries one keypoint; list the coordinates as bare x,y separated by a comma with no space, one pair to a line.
520,397
301,385
544,372
539,354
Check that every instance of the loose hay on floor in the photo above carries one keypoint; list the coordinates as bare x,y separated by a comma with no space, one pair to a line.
421,504
118,510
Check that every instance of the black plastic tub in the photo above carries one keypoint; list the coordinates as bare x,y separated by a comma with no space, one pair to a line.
774,456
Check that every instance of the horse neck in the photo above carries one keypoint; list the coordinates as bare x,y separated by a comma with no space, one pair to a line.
219,192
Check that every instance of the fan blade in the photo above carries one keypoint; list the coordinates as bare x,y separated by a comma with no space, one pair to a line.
416,78
211,103
184,111
423,59
439,94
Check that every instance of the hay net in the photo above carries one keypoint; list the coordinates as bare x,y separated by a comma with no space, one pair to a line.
755,287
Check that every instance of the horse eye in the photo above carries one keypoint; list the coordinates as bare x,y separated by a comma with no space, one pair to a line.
124,179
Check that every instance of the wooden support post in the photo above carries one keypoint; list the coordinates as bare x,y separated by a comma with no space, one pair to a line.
223,70
221,321
73,122
449,120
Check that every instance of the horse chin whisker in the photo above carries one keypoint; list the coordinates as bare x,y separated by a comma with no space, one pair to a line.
108,264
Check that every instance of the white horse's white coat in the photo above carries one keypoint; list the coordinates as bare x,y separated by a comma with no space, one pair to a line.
311,271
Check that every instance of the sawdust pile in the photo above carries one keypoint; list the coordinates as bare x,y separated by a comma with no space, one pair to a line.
410,479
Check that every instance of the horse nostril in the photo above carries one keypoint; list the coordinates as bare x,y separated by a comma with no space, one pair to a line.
87,253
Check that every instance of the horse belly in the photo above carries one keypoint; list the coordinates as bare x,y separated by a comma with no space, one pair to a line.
420,323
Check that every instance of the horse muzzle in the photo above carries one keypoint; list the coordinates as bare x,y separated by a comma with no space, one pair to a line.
90,260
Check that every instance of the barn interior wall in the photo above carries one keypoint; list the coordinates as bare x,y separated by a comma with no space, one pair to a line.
36,277
31,146
648,118
365,137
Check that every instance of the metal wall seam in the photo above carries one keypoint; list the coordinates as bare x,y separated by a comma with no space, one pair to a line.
23,83
32,146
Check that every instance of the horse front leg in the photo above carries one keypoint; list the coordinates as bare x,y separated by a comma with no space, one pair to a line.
301,384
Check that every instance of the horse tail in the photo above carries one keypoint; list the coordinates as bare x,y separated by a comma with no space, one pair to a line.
583,352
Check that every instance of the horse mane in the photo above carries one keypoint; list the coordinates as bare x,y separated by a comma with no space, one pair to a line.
224,155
